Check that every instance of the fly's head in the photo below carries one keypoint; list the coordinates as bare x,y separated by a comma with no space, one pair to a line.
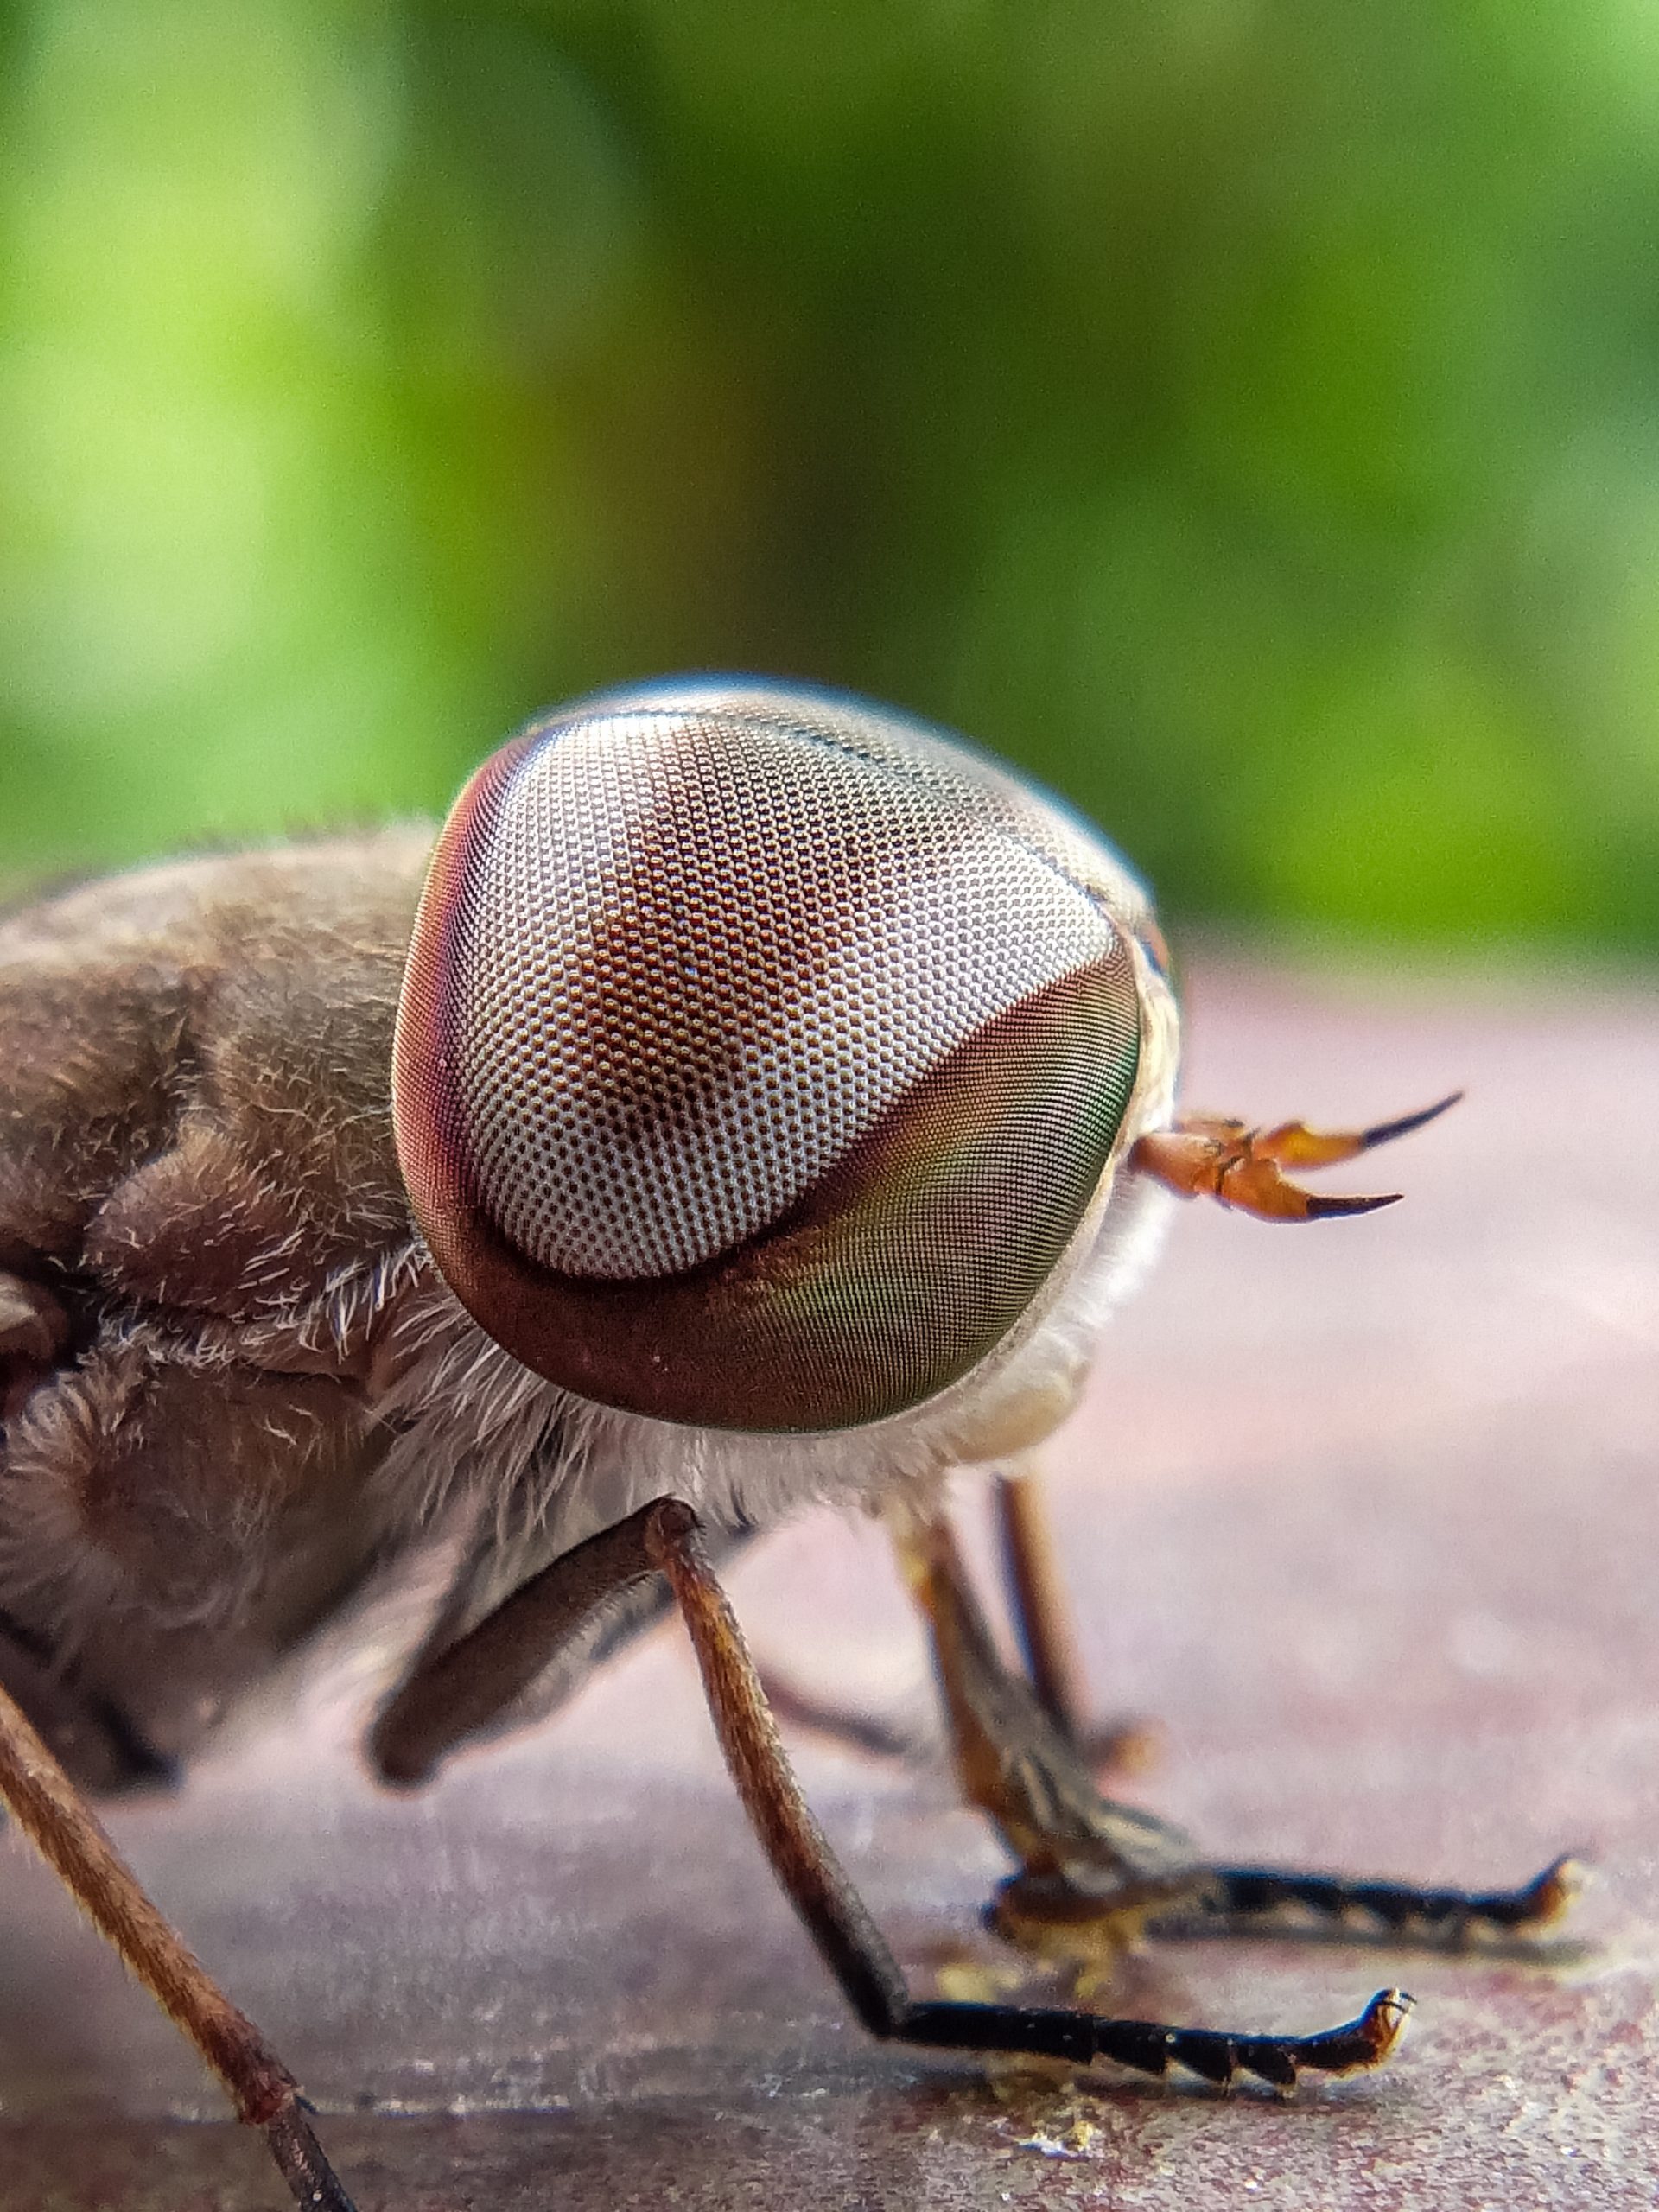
766,1059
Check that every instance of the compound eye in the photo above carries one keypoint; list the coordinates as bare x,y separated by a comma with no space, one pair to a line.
760,1054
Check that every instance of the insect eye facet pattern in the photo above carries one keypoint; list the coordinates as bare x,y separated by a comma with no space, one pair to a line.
755,1098
761,1054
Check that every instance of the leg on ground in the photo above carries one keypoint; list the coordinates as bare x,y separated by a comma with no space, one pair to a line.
853,1947
452,1694
1094,1874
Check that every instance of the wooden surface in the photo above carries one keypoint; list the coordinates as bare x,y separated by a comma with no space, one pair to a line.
1364,1513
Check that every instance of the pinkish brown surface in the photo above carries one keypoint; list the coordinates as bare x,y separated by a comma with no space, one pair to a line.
1364,1513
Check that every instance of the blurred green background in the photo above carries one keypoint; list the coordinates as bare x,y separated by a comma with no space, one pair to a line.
1246,414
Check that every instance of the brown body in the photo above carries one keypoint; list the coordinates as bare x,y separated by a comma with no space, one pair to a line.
205,1245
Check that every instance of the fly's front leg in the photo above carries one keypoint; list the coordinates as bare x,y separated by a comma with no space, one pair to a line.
852,1945
460,1690
51,1812
1094,1874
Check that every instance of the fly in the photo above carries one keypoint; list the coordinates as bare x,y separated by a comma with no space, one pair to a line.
756,1097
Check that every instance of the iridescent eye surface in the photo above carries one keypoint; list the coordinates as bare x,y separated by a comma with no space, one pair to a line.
759,1052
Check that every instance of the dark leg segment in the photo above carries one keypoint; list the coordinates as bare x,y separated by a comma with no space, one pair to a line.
455,1691
870,1732
1039,1615
55,1817
1257,1900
